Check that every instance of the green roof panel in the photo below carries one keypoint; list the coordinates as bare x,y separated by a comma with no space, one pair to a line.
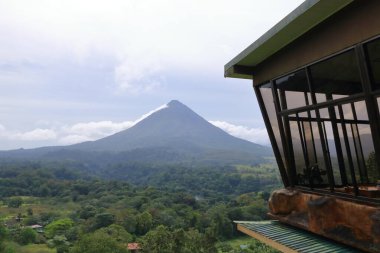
290,239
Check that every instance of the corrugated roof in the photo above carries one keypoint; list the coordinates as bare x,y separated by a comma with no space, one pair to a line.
290,239
133,246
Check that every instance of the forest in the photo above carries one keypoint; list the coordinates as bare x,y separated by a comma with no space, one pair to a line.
57,208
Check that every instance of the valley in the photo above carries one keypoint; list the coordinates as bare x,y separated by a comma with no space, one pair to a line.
172,177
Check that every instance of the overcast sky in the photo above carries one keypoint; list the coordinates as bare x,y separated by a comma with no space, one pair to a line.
75,70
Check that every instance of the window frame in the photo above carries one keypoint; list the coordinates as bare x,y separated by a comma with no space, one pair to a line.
367,95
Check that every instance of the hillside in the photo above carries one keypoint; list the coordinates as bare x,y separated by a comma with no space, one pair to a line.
173,133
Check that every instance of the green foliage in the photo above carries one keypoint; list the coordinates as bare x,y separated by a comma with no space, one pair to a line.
60,242
221,225
87,211
162,240
244,244
177,209
117,232
15,202
104,220
58,227
144,223
26,236
372,168
3,236
98,242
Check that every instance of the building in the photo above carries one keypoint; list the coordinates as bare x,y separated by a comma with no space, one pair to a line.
133,247
316,75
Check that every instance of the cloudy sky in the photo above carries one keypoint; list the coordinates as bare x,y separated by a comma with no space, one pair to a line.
75,70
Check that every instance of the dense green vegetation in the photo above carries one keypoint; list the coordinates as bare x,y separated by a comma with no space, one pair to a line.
165,209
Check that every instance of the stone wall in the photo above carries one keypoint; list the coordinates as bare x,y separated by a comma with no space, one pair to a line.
348,222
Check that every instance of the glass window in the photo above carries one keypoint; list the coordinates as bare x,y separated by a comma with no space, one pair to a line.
337,77
373,54
299,155
293,90
267,95
331,149
343,141
357,143
307,151
361,110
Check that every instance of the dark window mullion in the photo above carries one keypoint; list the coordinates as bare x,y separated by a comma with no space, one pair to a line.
311,126
323,142
371,103
301,131
330,173
286,140
359,148
337,143
348,151
272,137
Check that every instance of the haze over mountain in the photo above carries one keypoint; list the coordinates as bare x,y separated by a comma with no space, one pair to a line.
173,133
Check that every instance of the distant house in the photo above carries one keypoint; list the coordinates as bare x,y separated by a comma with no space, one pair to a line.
134,247
316,75
38,228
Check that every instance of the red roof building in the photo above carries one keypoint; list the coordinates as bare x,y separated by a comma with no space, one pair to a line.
133,247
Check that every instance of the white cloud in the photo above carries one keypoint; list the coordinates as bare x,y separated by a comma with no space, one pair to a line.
34,135
136,76
66,134
142,35
256,135
90,131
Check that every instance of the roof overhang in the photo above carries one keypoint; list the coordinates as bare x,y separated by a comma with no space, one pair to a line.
306,16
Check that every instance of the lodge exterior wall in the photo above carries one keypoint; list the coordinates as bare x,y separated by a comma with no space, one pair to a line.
356,23
344,221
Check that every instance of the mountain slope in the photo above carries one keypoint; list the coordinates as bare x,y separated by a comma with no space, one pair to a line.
174,133
175,126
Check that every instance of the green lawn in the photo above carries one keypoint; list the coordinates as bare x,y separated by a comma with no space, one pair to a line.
12,247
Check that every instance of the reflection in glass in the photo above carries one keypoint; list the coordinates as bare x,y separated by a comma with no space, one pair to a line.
267,95
361,110
298,149
331,148
344,152
307,149
368,153
293,90
373,53
336,77
347,111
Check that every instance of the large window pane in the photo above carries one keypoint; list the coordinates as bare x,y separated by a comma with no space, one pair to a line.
307,150
357,142
373,54
343,141
267,95
331,148
298,150
368,153
293,90
336,77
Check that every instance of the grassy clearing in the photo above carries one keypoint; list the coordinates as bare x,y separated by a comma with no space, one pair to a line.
241,240
38,206
12,247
